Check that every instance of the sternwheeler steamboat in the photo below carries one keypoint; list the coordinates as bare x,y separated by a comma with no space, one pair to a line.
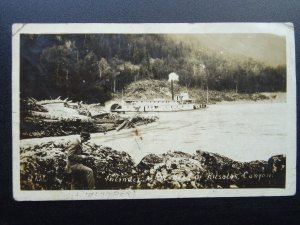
180,102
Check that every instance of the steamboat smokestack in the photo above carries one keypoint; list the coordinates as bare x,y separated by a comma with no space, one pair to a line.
172,77
172,90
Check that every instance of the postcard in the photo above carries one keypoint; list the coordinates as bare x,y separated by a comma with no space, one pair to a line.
138,111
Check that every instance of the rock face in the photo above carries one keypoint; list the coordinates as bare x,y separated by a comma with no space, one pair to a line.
110,167
43,167
208,170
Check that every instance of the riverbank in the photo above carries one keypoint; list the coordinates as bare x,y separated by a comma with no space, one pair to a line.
244,132
160,89
269,97
43,167
62,117
49,118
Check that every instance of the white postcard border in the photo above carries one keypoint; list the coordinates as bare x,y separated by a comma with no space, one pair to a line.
283,29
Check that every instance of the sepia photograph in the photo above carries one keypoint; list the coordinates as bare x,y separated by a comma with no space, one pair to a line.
116,111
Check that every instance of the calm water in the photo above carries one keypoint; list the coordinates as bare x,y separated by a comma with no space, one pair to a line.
244,132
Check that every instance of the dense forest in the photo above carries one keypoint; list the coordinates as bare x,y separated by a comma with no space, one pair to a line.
90,67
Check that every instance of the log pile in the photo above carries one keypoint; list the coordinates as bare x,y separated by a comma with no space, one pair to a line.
37,128
39,119
29,105
116,122
134,121
60,117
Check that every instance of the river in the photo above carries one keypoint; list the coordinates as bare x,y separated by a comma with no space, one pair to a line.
243,132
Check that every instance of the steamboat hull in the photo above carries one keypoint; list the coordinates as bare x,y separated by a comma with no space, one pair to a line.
181,102
158,108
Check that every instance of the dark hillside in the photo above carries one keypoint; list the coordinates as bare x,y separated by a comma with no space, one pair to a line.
90,67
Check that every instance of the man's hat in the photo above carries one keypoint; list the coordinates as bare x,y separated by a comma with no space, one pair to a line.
85,134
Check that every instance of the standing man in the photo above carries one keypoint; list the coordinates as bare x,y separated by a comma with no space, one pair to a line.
82,176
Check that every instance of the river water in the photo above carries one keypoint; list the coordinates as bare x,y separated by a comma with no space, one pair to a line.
243,132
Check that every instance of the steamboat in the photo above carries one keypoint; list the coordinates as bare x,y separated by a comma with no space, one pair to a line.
180,102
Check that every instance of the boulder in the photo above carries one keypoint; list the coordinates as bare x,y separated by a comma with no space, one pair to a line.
171,170
112,169
43,167
208,170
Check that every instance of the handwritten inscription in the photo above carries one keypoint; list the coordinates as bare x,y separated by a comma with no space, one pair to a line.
256,176
217,176
120,179
210,176
234,176
104,194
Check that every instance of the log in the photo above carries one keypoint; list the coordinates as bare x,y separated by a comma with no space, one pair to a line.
101,121
122,125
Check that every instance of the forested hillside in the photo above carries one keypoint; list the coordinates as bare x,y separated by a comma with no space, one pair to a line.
90,67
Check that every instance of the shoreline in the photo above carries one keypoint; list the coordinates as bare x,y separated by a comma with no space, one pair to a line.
171,170
137,156
240,102
113,133
269,97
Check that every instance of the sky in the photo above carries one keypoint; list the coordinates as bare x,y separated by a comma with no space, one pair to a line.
267,48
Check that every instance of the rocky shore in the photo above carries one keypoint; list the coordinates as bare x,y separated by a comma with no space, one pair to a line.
43,167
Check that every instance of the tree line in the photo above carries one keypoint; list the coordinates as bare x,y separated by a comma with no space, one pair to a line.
90,67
